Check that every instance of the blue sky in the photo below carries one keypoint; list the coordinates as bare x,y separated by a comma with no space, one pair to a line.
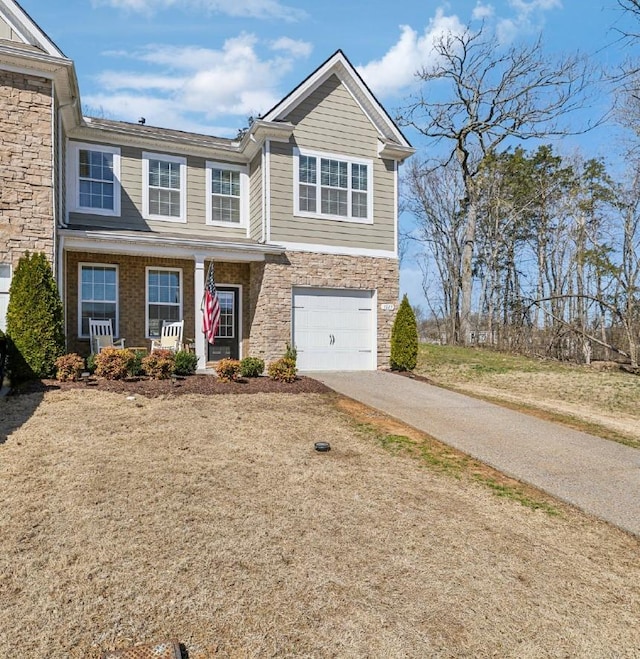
206,65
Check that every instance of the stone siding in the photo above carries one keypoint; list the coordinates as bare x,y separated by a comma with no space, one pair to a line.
26,170
271,289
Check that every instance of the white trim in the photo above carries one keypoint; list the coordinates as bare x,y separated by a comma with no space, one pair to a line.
198,297
20,22
333,249
244,193
396,219
146,296
116,329
73,178
318,215
3,320
267,192
180,160
263,193
25,70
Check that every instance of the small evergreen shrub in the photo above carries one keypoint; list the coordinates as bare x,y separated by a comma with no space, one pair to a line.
91,363
114,363
159,364
135,369
251,367
69,367
282,370
34,320
186,363
228,370
404,338
291,353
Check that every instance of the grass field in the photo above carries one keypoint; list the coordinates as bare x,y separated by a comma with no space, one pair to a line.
212,520
604,402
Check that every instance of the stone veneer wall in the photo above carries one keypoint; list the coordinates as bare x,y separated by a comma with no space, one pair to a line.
272,281
26,171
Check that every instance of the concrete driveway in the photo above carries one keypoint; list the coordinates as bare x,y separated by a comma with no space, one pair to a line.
598,476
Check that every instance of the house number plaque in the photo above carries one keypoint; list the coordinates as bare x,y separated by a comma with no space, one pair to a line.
387,307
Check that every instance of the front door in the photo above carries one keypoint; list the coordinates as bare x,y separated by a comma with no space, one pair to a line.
227,343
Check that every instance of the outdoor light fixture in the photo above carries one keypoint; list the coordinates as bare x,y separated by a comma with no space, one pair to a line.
322,447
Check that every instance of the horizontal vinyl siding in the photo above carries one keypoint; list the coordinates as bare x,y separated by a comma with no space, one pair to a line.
131,203
330,120
7,33
255,198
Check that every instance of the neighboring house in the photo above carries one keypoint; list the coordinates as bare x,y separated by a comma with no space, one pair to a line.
299,216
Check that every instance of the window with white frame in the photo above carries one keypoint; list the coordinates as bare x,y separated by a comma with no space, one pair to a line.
97,295
227,194
164,298
333,187
164,195
94,179
5,284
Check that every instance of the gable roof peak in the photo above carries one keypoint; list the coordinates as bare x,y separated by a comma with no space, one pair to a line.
26,28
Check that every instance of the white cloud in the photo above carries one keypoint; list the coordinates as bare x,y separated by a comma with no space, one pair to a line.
246,8
294,47
398,66
175,83
527,20
482,12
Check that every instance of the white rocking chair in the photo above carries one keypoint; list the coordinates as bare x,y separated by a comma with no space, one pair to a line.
170,337
101,336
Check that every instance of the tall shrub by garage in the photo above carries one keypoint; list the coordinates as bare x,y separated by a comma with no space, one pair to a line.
404,338
34,320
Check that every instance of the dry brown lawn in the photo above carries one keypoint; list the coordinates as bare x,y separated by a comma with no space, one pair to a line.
211,519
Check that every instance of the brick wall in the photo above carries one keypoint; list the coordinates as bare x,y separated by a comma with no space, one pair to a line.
26,193
132,291
270,296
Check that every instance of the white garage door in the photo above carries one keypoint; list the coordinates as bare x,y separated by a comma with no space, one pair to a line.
334,329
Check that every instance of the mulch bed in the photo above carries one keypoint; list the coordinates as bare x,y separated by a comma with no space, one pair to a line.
194,384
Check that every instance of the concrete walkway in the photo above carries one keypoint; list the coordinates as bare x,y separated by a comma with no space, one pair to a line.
599,476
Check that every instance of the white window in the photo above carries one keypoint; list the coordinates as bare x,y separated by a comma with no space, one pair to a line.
227,194
164,298
164,187
94,179
97,295
333,187
5,283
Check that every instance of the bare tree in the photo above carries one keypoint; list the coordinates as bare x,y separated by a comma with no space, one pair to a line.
494,94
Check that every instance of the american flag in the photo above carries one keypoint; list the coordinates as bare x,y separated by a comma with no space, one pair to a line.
211,308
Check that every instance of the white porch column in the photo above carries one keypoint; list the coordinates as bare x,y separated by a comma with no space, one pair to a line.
198,287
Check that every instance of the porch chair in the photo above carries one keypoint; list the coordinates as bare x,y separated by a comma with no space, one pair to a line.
170,337
101,336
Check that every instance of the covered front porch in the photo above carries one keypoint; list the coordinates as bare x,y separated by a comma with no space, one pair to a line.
138,281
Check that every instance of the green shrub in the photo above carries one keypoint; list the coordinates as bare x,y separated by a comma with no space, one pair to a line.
91,363
186,363
228,370
114,363
69,367
135,368
291,353
282,370
34,320
251,367
158,365
404,338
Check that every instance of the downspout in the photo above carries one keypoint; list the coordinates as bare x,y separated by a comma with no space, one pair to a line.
263,164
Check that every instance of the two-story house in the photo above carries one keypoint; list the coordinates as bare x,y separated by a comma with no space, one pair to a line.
299,215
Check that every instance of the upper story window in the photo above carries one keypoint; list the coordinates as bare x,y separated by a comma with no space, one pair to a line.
97,295
164,190
94,179
227,194
333,187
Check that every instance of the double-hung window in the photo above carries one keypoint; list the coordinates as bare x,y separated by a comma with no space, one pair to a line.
164,193
94,179
164,298
97,295
333,187
227,194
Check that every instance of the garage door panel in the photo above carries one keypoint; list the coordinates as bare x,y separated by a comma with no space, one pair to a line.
334,329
